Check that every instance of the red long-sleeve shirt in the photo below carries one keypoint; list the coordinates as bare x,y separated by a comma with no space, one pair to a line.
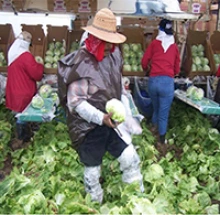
21,81
161,63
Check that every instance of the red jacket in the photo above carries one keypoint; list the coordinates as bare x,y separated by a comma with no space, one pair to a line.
161,63
21,81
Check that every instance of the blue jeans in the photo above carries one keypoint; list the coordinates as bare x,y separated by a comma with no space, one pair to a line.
161,92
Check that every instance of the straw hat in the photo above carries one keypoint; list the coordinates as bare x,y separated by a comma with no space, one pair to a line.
104,27
24,35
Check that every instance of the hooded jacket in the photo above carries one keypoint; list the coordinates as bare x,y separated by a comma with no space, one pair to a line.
106,75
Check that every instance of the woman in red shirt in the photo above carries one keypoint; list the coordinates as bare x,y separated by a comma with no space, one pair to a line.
163,57
23,73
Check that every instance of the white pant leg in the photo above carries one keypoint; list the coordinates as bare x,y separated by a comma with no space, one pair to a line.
91,182
129,165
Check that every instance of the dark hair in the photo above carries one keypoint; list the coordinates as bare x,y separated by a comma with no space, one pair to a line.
166,26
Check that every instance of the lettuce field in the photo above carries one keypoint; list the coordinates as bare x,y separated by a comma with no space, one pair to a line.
46,176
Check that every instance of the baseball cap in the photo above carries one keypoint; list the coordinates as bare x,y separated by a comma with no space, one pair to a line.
166,26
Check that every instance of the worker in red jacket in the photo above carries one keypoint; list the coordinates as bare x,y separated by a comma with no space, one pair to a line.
163,57
23,73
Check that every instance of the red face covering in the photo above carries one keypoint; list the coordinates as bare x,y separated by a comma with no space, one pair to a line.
96,47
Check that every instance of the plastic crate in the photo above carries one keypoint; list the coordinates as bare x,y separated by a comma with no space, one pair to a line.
141,97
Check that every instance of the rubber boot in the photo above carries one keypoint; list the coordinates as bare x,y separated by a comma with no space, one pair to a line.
17,142
161,145
27,132
162,139
129,165
91,182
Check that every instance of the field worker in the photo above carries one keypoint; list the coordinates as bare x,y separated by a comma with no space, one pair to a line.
162,55
23,73
93,76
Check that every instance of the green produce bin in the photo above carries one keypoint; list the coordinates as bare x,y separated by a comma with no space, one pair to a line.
44,114
205,106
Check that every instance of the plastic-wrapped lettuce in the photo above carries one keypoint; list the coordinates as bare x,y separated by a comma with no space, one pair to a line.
37,102
195,93
45,91
189,90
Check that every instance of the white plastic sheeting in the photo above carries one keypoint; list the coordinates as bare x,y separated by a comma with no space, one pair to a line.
169,9
35,19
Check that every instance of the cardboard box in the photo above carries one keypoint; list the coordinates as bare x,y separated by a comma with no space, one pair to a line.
134,35
55,33
50,5
73,36
212,26
33,5
59,6
199,26
6,39
79,23
6,6
149,25
38,38
195,6
18,5
215,45
72,6
196,38
87,6
139,22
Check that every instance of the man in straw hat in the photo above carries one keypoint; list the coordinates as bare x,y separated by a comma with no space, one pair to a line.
87,80
23,73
